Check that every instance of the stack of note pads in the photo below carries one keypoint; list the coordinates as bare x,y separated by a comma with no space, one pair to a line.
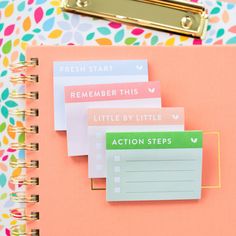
113,114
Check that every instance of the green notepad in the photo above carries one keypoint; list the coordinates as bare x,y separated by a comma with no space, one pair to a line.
154,165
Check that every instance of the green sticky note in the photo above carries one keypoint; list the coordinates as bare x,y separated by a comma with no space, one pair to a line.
154,165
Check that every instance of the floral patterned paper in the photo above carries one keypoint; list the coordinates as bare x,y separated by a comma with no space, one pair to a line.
37,22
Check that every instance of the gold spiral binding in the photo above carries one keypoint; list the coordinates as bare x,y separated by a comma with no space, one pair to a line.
29,95
24,78
21,75
30,164
20,214
24,146
21,197
29,112
23,180
33,129
22,65
20,230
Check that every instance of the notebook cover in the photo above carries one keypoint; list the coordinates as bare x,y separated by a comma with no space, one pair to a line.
202,80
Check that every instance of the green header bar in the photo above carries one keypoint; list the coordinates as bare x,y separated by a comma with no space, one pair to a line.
153,140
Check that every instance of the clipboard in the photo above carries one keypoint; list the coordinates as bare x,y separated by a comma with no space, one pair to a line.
175,16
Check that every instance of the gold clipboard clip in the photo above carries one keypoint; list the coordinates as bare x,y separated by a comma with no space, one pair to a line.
175,16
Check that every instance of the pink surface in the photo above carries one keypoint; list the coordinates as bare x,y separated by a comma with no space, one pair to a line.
108,92
202,80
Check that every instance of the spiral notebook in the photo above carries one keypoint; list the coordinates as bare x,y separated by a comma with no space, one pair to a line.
201,79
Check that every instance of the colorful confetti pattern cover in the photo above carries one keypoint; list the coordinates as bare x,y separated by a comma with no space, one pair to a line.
40,22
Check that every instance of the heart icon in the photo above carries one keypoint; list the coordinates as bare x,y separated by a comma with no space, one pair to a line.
151,90
194,140
175,117
139,67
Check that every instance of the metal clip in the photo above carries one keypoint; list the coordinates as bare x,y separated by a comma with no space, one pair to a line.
29,112
20,214
26,164
21,197
20,230
175,16
24,146
33,129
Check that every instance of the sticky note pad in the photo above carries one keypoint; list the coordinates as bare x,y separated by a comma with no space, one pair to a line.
154,165
78,99
68,73
101,120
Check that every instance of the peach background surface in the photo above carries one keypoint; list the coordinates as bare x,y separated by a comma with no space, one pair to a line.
202,80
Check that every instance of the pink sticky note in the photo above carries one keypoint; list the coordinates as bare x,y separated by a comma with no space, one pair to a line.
79,98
